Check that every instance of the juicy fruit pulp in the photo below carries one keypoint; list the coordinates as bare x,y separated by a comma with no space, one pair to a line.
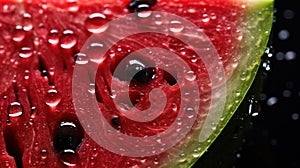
41,42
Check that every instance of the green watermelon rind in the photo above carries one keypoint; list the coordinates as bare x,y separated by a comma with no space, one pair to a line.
257,25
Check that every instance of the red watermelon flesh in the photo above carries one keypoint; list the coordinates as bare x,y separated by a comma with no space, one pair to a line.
43,44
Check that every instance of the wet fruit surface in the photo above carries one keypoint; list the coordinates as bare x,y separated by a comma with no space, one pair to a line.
41,44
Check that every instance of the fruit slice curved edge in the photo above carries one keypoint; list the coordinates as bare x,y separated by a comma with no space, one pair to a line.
256,26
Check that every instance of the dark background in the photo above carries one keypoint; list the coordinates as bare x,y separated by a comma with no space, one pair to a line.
271,138
273,141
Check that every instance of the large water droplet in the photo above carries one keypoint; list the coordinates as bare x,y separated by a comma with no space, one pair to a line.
68,39
15,109
67,136
95,23
176,26
52,98
25,52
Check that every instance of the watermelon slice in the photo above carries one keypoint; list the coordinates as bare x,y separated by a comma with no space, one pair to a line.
139,83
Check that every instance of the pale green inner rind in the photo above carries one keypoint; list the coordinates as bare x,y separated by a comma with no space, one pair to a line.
257,25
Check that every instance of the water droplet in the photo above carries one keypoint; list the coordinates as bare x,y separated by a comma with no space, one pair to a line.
205,18
96,52
196,155
2,49
53,37
27,22
69,158
174,107
19,34
44,154
190,112
137,70
73,5
192,10
190,76
158,19
176,26
244,75
52,98
91,88
113,94
143,10
15,109
26,76
68,135
68,39
95,23
81,59
25,52
115,121
179,122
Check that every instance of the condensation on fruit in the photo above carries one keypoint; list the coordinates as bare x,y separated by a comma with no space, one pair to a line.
144,13
27,22
52,97
68,39
190,75
91,88
158,19
81,59
245,75
53,37
72,5
26,74
174,107
190,112
43,154
25,52
176,26
15,109
96,23
19,34
2,49
206,18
